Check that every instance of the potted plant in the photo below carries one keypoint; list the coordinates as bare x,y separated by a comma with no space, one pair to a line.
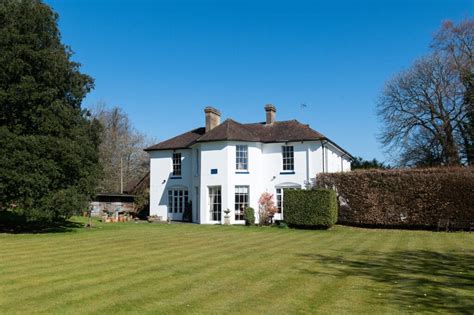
227,217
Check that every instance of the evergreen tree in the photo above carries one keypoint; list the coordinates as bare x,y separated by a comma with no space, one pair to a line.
48,143
360,163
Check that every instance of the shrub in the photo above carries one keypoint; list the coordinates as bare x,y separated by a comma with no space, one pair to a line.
425,198
310,208
249,216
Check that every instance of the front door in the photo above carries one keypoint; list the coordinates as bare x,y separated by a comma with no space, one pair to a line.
215,203
177,201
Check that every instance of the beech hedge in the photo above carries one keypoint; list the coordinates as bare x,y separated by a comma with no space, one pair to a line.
310,208
425,198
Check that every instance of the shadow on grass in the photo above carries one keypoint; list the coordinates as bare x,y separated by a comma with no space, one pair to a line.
416,281
15,224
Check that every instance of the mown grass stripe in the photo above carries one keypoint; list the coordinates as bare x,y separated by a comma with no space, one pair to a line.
169,273
173,250
147,268
332,279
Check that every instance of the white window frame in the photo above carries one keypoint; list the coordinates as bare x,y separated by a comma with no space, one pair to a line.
241,157
177,200
177,164
241,201
288,158
215,203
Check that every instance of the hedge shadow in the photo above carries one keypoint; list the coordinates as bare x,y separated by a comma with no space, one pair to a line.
415,281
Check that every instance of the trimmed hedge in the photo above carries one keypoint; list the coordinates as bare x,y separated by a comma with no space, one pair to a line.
310,208
420,198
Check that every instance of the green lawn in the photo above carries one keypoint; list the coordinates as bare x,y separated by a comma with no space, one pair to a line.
184,268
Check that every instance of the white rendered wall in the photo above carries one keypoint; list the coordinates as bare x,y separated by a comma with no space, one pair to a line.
213,156
253,178
161,169
265,173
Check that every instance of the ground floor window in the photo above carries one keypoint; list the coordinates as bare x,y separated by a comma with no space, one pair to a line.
241,201
177,200
279,197
215,203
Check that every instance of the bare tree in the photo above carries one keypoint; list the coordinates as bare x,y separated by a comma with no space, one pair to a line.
456,44
121,150
424,109
419,108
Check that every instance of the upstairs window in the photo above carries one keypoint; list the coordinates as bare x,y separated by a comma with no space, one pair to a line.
176,164
241,157
288,158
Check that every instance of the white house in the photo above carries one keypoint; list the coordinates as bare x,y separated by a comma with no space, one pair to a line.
229,165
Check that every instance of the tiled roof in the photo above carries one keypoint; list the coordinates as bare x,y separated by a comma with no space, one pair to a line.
179,142
230,130
279,131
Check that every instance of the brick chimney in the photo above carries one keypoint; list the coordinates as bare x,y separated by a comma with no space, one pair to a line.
271,113
213,118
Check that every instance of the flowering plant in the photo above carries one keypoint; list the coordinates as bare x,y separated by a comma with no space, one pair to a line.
266,208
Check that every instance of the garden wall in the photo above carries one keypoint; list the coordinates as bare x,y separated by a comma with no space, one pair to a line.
424,198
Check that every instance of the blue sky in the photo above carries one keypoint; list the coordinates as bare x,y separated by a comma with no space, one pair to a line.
164,61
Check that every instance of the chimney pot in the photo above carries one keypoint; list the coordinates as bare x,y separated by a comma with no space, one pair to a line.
213,118
271,114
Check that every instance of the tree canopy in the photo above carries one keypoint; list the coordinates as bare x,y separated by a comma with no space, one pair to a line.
427,110
360,163
121,150
48,143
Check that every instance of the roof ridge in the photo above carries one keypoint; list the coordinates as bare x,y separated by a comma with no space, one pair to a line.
276,122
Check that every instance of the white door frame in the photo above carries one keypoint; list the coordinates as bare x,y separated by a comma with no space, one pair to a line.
211,203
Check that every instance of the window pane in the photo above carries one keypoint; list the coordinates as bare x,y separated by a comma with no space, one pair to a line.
288,158
241,157
176,164
241,201
279,197
170,201
215,203
177,200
